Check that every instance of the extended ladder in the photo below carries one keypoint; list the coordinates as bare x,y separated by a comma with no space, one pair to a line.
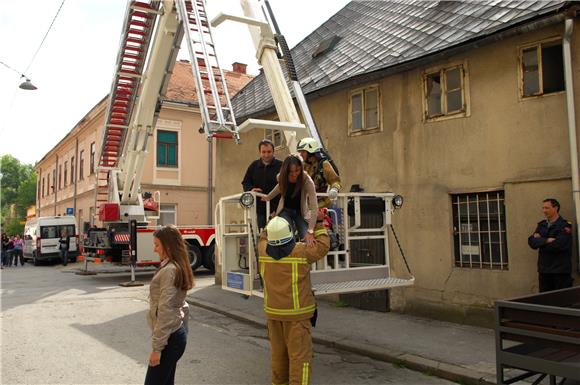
136,34
212,90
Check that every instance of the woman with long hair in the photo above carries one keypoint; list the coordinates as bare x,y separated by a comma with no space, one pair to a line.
168,311
298,204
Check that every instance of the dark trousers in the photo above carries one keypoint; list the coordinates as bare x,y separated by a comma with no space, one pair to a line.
64,256
15,254
164,373
296,221
550,282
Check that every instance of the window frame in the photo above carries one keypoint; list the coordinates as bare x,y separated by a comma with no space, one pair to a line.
65,173
538,45
363,92
93,150
43,186
81,164
157,142
485,243
60,176
465,101
161,210
73,175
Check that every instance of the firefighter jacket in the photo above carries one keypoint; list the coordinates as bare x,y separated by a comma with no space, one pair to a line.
324,177
287,288
554,257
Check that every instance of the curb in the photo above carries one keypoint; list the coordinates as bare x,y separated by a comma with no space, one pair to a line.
411,361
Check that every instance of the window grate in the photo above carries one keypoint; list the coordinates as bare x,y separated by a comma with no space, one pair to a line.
479,230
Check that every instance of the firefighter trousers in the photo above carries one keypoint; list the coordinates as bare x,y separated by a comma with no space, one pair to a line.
291,344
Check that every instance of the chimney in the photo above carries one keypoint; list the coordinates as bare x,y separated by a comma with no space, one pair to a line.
239,67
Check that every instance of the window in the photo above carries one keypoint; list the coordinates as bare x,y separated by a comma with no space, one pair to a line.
92,160
48,232
542,68
82,165
444,92
479,230
167,215
43,187
60,176
38,189
53,180
73,176
364,109
275,136
166,148
65,172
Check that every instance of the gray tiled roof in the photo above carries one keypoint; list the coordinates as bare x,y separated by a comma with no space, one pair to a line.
376,34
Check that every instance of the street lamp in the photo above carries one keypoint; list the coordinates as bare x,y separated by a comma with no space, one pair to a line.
25,85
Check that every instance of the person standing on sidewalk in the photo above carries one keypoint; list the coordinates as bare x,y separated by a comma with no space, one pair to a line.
4,250
261,177
17,251
168,311
288,299
553,240
64,245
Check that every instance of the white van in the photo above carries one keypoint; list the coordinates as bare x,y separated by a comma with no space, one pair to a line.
41,237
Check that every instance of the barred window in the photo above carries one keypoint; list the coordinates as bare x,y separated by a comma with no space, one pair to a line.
479,230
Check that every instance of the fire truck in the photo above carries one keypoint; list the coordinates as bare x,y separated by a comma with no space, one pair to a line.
152,34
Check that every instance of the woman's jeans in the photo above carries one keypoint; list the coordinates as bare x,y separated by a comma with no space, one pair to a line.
296,221
164,373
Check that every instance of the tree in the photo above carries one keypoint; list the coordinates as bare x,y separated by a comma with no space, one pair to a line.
18,188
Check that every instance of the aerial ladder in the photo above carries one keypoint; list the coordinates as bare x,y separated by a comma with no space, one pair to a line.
361,220
150,40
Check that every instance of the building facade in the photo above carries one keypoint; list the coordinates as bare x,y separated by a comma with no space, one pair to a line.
473,138
177,163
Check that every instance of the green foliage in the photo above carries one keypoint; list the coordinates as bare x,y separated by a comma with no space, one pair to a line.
341,303
18,192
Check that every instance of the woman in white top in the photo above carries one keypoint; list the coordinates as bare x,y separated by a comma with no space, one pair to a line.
168,311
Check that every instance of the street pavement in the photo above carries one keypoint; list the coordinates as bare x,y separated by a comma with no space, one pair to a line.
63,328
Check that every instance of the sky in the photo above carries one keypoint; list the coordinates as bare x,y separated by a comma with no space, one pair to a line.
74,68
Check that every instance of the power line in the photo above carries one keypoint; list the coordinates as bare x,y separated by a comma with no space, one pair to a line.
45,35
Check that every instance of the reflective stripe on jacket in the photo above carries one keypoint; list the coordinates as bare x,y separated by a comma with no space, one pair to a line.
287,287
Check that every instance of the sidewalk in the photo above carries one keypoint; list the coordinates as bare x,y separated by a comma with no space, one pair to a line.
460,353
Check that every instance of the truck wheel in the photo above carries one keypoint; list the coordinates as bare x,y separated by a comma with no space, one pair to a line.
209,257
195,256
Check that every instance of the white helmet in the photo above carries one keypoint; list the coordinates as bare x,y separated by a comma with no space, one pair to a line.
309,145
279,232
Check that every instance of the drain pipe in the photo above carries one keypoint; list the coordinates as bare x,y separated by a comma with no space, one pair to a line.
569,27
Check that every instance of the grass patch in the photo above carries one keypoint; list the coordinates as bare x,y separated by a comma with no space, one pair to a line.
341,303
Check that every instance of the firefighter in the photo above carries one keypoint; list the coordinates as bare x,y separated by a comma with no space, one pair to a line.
288,299
321,169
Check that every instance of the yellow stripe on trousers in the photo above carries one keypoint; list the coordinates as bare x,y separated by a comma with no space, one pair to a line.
305,374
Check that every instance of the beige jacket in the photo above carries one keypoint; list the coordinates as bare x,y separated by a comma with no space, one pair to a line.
167,307
308,201
287,287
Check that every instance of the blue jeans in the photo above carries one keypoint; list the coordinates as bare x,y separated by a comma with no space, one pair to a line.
164,373
64,257
296,221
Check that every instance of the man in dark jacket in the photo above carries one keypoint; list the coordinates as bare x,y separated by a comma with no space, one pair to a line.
553,239
261,177
64,246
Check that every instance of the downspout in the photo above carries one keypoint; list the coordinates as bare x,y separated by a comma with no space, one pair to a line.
569,27
75,179
210,183
54,184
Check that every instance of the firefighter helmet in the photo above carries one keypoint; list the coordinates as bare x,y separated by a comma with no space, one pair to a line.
309,145
279,231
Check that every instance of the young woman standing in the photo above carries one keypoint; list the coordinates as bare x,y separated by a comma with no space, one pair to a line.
168,311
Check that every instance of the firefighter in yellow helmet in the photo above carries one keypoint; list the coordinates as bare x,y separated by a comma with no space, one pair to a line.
288,300
321,169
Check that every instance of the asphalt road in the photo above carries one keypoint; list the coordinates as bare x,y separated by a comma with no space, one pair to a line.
62,328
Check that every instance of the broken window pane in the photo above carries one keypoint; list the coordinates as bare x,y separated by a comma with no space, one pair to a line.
371,109
356,113
433,95
530,72
552,68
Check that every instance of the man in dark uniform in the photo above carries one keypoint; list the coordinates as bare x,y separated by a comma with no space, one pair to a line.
553,239
261,177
